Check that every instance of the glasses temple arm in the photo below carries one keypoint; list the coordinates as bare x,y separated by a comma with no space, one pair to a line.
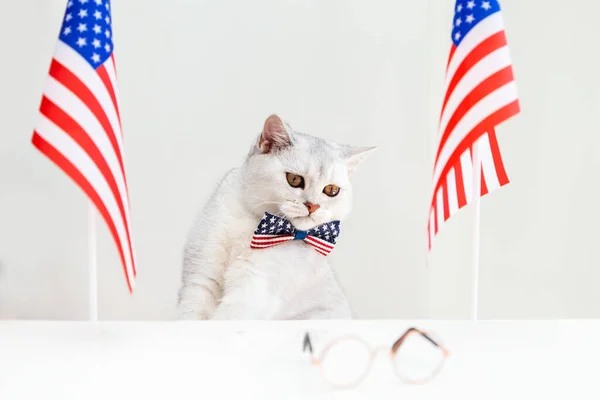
399,342
426,336
307,344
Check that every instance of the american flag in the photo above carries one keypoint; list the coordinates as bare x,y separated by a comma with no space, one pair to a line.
273,230
480,93
79,126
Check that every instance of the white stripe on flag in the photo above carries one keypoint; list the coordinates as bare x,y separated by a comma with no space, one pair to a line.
452,197
488,168
110,70
440,207
112,74
466,164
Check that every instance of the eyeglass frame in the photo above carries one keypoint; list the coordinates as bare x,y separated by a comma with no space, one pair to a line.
317,361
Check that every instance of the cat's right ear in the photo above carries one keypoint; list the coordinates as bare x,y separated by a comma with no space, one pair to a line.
275,135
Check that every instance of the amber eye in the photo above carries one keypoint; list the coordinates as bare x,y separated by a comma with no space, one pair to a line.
294,180
331,190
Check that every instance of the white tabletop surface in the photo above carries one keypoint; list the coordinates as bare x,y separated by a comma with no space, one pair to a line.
207,360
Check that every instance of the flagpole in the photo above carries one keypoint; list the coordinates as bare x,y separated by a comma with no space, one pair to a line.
476,197
92,265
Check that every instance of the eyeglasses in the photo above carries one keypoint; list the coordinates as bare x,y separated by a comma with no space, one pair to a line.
345,361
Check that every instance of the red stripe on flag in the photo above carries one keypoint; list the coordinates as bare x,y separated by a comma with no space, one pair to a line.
68,168
80,136
484,48
450,55
487,86
114,61
112,57
79,89
460,186
483,185
429,233
111,90
435,215
445,201
494,119
497,157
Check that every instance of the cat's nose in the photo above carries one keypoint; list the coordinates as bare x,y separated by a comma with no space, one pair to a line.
312,207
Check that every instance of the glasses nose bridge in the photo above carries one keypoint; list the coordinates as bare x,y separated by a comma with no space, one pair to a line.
380,348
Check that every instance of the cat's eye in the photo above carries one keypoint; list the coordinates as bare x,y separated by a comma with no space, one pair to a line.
294,180
331,190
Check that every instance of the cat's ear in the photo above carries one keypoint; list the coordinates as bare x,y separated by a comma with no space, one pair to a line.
276,134
355,155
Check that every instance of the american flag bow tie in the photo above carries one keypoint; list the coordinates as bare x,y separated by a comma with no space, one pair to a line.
273,230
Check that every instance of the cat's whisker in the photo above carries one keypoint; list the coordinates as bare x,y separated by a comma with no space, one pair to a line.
257,198
295,215
283,215
267,202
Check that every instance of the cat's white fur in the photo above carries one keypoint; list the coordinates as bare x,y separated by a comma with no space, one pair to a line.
223,278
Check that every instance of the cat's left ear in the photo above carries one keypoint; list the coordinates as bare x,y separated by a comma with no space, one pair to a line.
276,134
355,155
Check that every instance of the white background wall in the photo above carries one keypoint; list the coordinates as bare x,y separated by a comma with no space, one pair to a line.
197,79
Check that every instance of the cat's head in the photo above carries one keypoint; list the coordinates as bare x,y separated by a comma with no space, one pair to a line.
302,178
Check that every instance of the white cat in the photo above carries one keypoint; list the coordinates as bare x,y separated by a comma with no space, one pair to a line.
301,178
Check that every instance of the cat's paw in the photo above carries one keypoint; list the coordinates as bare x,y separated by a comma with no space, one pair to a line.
223,314
192,313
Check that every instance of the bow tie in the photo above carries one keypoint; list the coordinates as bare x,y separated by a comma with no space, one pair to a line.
274,230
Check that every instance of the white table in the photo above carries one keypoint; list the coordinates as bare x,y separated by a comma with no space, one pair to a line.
207,360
